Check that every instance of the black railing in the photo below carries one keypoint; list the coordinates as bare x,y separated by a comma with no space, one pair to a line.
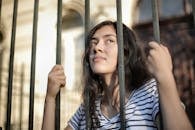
121,68
11,63
87,23
33,64
58,59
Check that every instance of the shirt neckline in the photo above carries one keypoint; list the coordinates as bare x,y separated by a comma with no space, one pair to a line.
117,114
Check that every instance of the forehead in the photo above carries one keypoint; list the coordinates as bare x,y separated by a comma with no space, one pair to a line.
105,30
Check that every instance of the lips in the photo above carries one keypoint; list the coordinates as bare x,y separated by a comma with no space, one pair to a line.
98,58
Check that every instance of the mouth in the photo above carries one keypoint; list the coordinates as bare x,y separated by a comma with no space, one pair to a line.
98,58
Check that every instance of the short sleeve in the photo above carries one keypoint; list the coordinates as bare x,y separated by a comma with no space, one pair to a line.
77,121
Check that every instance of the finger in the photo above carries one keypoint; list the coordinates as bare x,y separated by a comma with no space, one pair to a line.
165,49
57,72
152,54
56,78
57,67
153,45
148,63
62,83
60,78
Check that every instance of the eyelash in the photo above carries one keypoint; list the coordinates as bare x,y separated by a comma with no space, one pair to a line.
109,40
93,42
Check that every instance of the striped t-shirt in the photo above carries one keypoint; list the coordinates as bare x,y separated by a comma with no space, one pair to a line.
140,111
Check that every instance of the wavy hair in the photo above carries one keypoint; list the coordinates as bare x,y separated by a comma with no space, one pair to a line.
136,72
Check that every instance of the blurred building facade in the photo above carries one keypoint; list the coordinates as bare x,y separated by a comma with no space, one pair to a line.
176,30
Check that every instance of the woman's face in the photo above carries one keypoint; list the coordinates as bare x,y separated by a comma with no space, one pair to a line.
104,51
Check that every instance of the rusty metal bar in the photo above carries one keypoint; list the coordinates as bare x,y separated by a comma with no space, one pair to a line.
33,64
11,63
58,61
121,68
87,22
156,29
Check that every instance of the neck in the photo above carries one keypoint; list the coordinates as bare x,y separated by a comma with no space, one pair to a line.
111,99
111,90
110,94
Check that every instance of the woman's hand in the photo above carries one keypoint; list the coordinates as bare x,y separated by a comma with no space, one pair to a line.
56,80
160,65
159,60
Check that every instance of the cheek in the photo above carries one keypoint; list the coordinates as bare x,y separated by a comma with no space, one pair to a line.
115,54
114,57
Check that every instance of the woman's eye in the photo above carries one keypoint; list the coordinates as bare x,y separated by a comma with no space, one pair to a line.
93,42
110,41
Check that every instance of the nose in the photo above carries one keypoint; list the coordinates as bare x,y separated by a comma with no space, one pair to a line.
99,46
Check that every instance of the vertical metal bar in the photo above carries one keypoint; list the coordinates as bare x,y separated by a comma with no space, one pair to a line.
1,61
87,18
33,63
11,62
87,22
121,63
58,61
156,29
21,96
193,9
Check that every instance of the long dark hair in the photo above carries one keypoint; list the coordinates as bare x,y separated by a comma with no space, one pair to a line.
136,72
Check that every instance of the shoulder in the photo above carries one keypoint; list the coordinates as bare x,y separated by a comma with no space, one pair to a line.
78,119
150,83
146,99
148,87
147,94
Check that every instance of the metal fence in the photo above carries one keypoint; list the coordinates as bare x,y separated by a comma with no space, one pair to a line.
58,58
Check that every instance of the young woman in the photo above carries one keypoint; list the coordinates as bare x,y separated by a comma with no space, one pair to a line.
100,79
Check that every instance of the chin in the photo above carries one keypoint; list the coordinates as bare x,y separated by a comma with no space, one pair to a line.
102,69
99,71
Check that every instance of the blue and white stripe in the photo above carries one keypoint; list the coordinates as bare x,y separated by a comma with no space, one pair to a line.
141,110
